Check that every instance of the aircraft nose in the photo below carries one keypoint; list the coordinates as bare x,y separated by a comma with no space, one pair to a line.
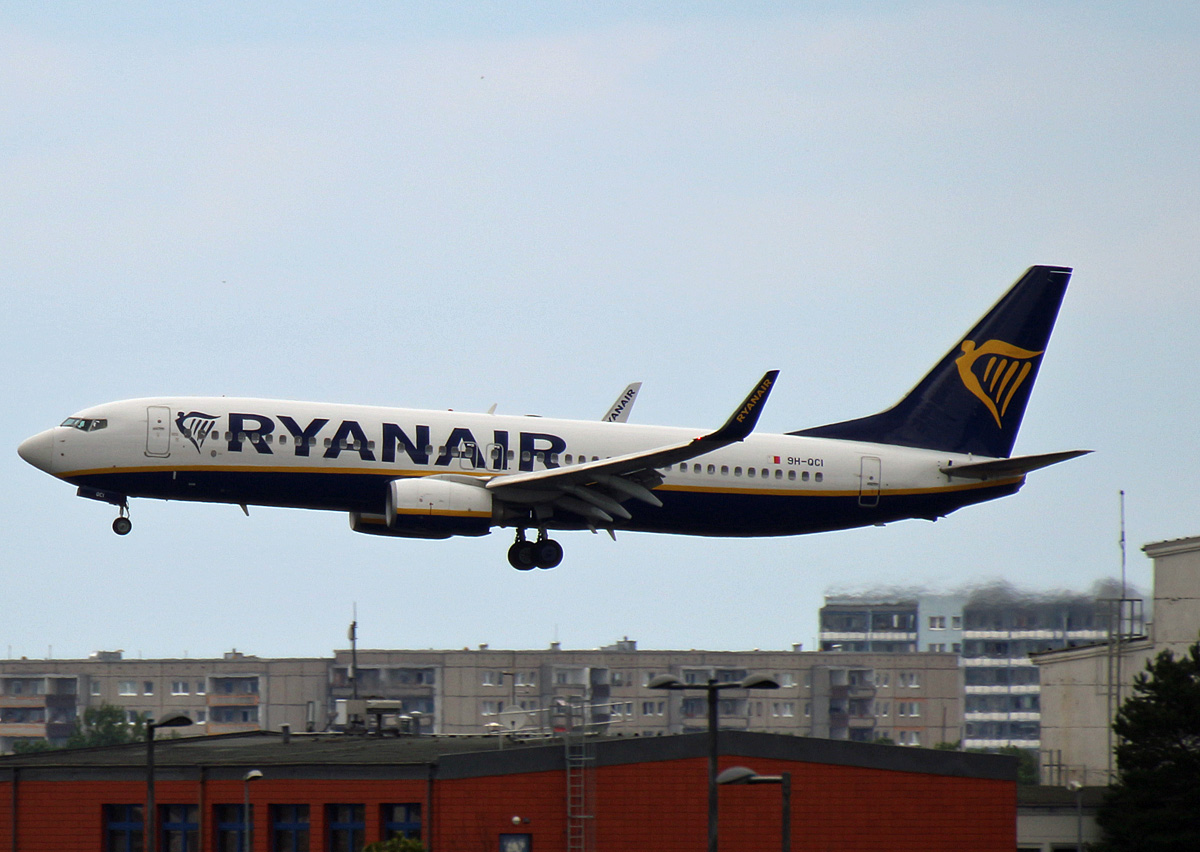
38,450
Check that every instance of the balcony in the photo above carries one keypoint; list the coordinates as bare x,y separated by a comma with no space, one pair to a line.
234,700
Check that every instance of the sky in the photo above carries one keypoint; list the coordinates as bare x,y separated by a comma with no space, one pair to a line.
534,204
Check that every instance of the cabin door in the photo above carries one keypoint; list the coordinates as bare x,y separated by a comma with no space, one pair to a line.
868,489
158,431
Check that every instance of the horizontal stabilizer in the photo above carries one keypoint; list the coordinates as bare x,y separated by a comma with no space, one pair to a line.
1016,466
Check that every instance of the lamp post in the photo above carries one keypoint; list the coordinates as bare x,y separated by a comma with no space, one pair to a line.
712,688
745,775
247,823
1076,787
171,720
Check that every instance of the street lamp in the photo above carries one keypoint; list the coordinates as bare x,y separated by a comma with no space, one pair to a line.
247,825
1076,787
745,775
171,720
713,688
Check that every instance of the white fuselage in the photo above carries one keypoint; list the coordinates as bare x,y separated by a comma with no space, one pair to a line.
342,457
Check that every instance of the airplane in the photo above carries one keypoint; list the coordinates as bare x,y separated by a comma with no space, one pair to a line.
435,474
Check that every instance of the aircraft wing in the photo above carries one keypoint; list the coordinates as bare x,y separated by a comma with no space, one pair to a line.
1015,466
595,489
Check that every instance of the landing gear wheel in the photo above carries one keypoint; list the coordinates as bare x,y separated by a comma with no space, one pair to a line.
547,553
520,556
122,525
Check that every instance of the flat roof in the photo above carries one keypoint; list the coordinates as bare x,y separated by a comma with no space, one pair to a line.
358,756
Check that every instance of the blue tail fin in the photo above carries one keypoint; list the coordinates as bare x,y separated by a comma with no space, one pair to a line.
974,399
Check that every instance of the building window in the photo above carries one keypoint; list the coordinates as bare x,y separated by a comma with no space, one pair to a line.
200,690
956,622
180,828
937,622
201,717
179,687
489,708
786,679
401,821
516,843
345,827
909,679
234,715
491,678
652,708
230,824
127,687
95,685
289,828
148,687
937,647
123,828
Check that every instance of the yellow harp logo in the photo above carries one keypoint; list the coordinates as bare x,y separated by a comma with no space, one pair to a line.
1005,368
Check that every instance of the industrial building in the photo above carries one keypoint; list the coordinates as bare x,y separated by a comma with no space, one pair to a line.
1083,687
578,792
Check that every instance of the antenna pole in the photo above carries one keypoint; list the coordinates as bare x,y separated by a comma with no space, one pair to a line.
354,651
1124,592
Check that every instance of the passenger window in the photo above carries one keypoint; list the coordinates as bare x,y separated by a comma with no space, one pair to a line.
792,475
328,443
804,476
724,470
712,468
525,456
779,474
820,477
751,472
567,458
695,468
737,471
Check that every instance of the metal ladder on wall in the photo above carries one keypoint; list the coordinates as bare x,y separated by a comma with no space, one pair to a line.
581,780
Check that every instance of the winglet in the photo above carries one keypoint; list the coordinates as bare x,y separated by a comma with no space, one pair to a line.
619,411
746,416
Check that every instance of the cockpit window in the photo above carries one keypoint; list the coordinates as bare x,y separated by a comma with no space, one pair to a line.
85,424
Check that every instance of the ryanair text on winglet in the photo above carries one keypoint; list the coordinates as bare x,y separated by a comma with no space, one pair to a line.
754,399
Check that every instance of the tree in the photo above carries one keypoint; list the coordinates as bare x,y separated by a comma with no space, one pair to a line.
396,844
1155,800
106,725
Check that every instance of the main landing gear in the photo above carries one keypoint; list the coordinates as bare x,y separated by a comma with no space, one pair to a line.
526,555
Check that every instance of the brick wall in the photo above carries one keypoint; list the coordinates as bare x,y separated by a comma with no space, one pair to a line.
659,805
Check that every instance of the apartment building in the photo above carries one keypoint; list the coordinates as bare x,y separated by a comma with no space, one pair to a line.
911,700
40,699
991,630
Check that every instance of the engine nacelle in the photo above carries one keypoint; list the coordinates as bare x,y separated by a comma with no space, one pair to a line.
430,507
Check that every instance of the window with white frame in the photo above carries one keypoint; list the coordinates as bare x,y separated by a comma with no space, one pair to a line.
127,687
179,687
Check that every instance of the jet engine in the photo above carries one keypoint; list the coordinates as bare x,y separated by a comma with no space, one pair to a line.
432,507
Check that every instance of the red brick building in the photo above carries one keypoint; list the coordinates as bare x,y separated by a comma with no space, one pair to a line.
336,792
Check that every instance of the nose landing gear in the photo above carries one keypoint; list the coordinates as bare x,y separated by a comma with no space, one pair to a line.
122,525
525,555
